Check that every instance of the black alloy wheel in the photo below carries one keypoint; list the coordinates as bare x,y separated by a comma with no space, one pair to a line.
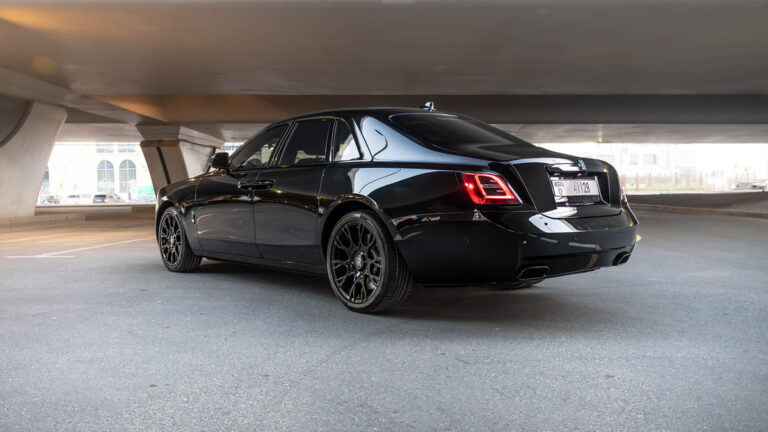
365,268
174,248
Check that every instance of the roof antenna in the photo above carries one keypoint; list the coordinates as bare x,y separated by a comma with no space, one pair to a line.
429,106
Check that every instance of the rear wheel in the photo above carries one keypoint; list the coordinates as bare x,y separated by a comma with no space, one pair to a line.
366,271
174,248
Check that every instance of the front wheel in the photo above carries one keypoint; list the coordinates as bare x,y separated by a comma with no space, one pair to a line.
366,271
174,248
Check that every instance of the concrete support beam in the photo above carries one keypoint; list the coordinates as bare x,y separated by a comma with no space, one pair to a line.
25,87
640,133
503,109
174,153
24,154
104,132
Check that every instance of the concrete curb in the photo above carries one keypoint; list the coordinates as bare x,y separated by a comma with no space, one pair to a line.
694,210
96,206
41,220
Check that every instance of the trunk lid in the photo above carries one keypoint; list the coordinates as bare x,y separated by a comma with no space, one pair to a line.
532,179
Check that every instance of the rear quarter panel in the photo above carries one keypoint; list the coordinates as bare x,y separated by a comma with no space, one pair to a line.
393,190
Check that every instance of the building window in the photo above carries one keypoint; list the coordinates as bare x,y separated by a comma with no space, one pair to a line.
105,177
633,159
46,187
606,157
105,148
126,148
230,147
649,159
127,176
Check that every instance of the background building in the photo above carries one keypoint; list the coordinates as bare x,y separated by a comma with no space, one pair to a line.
659,167
86,168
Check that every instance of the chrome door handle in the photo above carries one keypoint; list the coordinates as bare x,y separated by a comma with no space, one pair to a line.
263,184
251,185
246,185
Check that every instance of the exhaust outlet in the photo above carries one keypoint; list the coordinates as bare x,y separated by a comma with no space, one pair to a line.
621,258
533,272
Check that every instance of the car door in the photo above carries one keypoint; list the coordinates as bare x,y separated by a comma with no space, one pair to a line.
286,209
224,199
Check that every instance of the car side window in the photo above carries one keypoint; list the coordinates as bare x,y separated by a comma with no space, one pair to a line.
256,154
344,145
308,143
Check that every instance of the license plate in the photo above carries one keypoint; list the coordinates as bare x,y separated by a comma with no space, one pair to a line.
574,187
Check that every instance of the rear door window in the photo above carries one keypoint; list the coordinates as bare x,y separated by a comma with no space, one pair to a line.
308,143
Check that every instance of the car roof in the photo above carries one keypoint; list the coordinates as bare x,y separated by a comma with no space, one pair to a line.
376,111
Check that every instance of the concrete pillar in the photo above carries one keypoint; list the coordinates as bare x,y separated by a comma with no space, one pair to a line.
24,152
174,153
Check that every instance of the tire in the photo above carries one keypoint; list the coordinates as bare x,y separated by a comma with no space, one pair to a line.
516,285
365,269
175,252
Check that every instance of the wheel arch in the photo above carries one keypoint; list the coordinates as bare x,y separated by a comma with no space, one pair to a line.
338,209
161,208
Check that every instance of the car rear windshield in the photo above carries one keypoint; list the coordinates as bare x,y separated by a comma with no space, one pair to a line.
450,131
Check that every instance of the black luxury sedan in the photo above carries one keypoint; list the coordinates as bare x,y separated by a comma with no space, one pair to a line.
382,198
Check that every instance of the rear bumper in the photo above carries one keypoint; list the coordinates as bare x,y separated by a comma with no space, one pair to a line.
493,247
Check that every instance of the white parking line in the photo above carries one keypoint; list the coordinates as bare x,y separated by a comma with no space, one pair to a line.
59,254
40,256
47,236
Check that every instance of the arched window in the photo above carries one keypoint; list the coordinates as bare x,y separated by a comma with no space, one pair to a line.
127,176
105,177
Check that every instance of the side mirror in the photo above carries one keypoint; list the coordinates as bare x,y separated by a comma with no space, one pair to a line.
220,161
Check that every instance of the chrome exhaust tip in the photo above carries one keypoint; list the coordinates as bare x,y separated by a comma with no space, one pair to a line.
621,258
533,272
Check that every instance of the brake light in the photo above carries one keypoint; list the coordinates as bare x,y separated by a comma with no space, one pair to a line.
486,188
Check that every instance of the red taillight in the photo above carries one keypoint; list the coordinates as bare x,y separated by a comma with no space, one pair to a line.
485,188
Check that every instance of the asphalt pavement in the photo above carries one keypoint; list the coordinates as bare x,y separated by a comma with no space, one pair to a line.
96,335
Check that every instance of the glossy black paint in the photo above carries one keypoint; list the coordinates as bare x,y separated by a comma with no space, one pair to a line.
284,216
224,213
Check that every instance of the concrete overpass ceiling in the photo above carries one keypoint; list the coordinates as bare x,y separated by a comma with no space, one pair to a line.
548,70
389,48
